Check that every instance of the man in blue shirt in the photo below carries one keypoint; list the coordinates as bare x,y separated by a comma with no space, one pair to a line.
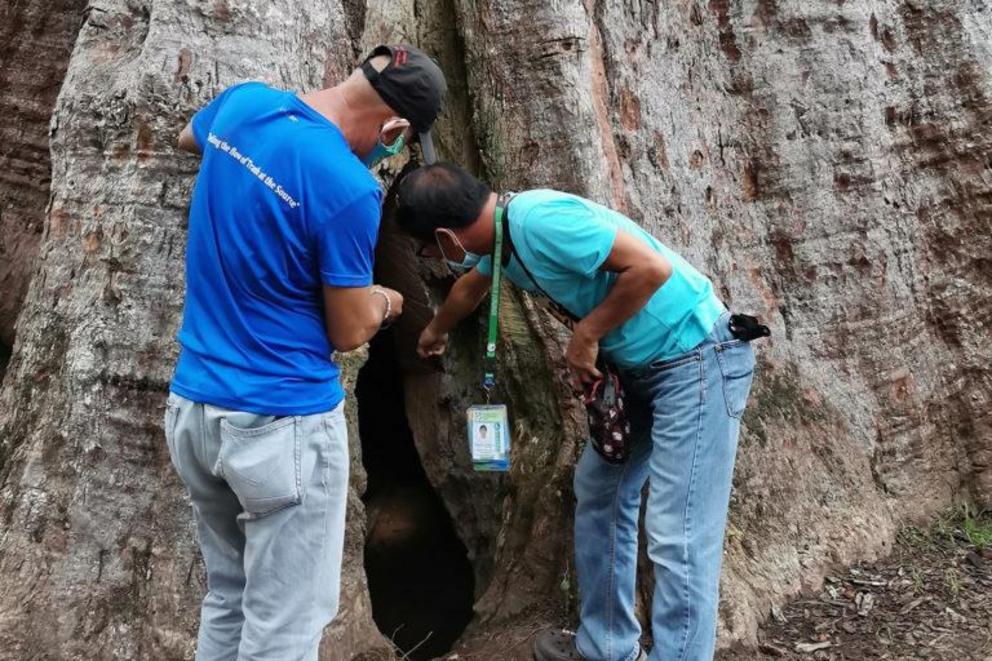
686,374
282,231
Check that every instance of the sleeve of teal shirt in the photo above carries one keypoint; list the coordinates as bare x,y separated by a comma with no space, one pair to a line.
570,236
346,243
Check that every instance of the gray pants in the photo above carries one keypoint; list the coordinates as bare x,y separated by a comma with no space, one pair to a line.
269,497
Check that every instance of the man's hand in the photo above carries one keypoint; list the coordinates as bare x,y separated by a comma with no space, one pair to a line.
186,140
465,295
581,357
431,343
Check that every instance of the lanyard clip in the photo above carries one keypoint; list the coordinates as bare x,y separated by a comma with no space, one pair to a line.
488,383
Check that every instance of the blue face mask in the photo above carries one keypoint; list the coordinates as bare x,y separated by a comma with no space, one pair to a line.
381,151
469,261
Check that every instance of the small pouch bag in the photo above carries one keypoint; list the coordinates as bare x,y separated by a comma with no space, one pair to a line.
609,427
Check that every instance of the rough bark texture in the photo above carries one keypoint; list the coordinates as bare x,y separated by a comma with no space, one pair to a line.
97,551
826,163
35,41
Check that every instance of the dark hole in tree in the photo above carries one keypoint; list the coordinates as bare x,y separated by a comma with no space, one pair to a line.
4,359
419,575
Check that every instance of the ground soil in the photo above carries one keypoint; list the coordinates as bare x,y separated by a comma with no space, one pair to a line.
931,599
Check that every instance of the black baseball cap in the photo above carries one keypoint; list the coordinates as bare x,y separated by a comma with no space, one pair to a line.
413,85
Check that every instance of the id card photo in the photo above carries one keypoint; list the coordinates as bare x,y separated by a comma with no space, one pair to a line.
489,437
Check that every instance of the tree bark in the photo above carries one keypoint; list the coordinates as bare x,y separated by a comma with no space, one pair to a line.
827,164
97,553
35,41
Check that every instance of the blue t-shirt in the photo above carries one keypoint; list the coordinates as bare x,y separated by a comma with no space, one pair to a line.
281,207
564,240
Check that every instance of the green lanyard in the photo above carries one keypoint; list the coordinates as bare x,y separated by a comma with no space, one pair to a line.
489,377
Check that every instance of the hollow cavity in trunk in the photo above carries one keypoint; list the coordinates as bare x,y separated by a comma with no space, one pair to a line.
420,578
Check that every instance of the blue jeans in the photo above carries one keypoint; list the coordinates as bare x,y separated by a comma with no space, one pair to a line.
685,417
269,497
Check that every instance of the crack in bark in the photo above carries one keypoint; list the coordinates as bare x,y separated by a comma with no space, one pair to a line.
601,95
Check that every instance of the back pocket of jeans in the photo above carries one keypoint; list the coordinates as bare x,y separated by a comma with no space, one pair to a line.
262,465
736,360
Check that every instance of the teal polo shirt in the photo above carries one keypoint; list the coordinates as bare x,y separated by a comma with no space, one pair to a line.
564,240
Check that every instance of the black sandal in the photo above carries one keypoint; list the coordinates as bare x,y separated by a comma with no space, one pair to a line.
556,645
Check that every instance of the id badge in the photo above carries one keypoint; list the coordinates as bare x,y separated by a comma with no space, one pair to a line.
489,437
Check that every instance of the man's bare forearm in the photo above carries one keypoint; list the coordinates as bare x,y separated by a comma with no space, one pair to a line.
630,292
354,315
462,300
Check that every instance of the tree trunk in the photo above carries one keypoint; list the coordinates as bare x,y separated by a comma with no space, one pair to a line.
35,41
97,554
827,164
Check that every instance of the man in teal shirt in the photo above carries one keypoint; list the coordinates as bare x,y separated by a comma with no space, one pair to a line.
687,379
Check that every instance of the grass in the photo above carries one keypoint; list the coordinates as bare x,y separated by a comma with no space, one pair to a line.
919,583
962,523
952,581
977,529
917,538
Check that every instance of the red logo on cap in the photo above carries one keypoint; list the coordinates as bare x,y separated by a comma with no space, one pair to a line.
399,59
